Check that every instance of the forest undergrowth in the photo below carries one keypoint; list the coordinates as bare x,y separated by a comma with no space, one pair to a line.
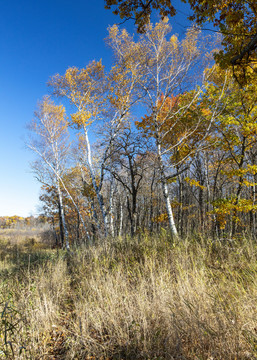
142,298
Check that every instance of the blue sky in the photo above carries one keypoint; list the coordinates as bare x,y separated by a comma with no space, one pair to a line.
37,40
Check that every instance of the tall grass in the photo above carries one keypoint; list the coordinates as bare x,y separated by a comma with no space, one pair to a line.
147,298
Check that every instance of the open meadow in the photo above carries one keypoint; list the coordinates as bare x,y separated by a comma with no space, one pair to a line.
142,298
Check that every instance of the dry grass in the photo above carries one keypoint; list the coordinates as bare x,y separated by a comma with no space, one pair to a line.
128,299
24,235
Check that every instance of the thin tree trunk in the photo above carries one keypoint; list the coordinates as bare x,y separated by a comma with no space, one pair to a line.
65,230
78,226
239,188
166,195
60,224
180,216
121,219
134,215
151,204
207,180
253,230
93,177
111,208
201,208
130,213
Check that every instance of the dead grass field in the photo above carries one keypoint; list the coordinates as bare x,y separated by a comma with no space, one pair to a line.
145,298
23,235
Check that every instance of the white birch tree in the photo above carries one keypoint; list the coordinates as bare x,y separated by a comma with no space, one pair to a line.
167,68
50,141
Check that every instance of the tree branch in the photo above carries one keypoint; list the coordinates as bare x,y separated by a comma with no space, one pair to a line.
251,46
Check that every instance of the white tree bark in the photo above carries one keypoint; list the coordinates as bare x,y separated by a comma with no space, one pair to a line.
111,212
65,230
166,195
59,179
94,182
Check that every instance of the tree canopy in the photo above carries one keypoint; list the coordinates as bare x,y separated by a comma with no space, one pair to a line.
235,19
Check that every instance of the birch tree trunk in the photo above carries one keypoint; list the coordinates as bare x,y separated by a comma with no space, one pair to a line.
63,221
166,195
93,178
111,214
151,204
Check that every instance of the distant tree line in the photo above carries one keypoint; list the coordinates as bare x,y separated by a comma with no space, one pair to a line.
15,221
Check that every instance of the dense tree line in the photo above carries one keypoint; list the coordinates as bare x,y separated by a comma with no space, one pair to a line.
17,222
176,142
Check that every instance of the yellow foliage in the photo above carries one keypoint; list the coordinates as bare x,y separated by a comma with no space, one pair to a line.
193,182
83,88
81,118
223,208
161,218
